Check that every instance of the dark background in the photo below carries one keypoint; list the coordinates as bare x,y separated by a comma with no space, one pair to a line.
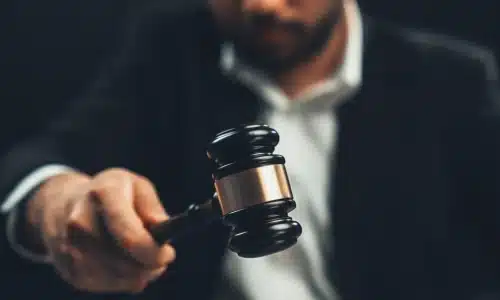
51,49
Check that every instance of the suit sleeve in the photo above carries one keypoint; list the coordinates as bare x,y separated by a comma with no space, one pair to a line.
14,205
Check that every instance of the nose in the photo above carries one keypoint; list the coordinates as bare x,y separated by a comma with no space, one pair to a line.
263,6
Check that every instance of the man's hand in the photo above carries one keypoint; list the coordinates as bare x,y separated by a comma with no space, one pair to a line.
94,230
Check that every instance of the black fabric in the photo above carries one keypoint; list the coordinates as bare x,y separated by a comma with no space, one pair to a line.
50,50
416,189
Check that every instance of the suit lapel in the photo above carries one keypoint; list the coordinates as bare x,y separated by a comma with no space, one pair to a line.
355,212
384,131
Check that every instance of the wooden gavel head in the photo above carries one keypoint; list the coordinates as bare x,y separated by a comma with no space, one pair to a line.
253,190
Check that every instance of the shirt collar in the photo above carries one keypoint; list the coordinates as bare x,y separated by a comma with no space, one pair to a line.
333,90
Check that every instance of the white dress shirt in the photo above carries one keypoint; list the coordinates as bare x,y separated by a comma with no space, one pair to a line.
307,127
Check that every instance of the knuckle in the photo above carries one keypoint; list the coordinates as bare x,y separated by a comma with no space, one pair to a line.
110,176
144,182
159,261
104,189
99,192
111,183
108,183
116,172
76,220
76,225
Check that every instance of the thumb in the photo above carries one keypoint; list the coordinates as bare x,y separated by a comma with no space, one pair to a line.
147,203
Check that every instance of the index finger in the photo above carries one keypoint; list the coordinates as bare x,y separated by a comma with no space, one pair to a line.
114,198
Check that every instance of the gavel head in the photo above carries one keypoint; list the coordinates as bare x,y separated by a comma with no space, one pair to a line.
253,191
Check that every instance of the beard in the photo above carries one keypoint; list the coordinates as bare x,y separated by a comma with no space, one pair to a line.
305,43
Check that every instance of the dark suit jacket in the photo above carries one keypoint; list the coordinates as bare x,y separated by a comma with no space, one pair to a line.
417,186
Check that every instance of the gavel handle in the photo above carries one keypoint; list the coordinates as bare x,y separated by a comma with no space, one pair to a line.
194,218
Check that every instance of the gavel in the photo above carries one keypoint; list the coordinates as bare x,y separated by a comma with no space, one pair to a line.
252,195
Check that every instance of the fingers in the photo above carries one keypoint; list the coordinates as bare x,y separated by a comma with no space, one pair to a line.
83,219
117,274
114,196
147,202
97,265
90,272
99,242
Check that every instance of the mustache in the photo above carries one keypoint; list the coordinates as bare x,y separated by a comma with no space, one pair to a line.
258,22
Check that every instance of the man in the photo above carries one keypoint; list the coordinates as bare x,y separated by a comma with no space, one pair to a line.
392,142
